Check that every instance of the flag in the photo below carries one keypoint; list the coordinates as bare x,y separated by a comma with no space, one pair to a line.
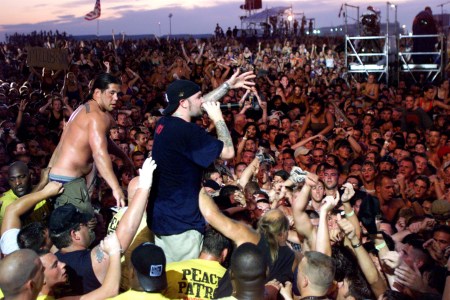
95,13
340,11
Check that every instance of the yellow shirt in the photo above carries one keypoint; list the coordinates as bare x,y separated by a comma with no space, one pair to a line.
137,295
41,210
143,234
193,279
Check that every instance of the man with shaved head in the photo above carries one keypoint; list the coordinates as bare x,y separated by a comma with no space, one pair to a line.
20,183
21,275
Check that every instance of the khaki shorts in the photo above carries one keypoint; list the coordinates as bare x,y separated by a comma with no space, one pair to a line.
76,193
183,246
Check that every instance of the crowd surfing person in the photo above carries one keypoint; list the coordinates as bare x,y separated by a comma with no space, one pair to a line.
261,154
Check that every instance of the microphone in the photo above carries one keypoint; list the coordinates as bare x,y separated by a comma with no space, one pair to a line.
230,105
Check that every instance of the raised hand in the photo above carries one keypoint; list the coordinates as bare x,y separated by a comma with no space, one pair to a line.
349,192
146,174
297,175
241,81
329,202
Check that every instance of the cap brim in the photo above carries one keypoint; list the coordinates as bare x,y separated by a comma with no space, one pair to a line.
152,284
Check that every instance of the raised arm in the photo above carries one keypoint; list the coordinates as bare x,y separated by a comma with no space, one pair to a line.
19,207
69,109
248,172
349,192
136,77
323,235
129,224
22,106
223,134
110,286
132,217
377,283
235,231
302,222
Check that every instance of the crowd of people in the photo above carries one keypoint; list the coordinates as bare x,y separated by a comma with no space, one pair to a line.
223,168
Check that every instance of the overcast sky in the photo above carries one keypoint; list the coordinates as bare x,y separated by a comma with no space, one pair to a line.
189,16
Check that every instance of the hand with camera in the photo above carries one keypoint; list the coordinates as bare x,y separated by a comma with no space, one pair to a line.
298,175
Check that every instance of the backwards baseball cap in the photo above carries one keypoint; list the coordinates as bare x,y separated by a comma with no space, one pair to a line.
301,151
66,217
178,90
440,209
149,262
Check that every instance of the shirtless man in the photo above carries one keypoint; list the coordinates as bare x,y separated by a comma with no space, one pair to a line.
85,142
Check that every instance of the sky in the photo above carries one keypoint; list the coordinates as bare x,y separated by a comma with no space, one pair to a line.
189,16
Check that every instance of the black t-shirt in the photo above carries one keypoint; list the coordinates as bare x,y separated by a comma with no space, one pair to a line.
181,151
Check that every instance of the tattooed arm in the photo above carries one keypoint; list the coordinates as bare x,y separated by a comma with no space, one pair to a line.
214,112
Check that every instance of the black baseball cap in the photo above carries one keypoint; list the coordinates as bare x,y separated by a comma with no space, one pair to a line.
149,262
67,217
177,91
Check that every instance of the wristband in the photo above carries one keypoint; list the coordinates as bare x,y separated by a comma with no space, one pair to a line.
350,214
227,85
356,246
380,246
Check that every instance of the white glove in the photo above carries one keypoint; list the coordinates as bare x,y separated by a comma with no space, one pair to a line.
298,175
146,174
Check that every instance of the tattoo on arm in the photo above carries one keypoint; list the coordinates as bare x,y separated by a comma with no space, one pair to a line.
217,94
99,254
223,134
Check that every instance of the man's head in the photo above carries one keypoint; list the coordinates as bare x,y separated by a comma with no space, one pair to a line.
414,253
315,273
330,176
141,139
248,268
21,273
384,186
149,267
421,186
247,157
54,270
34,236
442,237
318,155
104,91
68,226
412,138
215,244
138,159
368,171
19,178
343,150
302,156
184,95
434,137
239,168
407,167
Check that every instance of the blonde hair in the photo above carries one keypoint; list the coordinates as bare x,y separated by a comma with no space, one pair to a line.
271,225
